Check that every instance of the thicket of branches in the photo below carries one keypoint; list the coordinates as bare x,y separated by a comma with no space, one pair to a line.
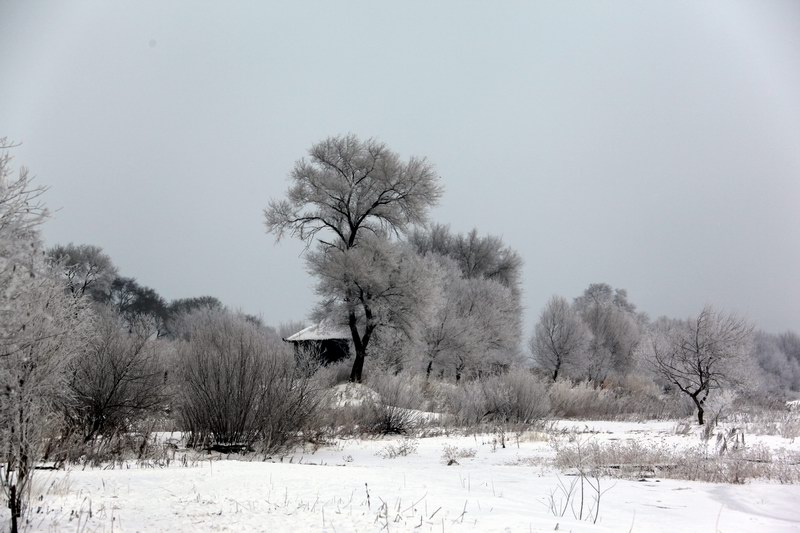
240,386
120,378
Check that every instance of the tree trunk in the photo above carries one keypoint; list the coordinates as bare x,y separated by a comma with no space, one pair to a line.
358,367
95,427
359,342
13,503
699,405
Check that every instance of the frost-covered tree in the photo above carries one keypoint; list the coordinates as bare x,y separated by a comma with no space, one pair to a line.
86,268
560,338
474,328
702,354
181,307
478,324
778,357
477,256
349,196
604,295
379,284
615,329
789,343
446,334
41,330
349,188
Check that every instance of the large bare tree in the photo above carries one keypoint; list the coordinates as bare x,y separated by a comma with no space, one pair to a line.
346,190
702,354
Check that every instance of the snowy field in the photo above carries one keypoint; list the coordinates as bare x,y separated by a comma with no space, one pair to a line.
369,485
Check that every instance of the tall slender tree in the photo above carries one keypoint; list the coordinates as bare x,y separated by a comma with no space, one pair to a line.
41,329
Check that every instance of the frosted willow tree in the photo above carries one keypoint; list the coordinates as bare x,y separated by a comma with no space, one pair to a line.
478,326
560,338
474,329
349,197
41,327
478,257
379,285
778,357
702,354
615,328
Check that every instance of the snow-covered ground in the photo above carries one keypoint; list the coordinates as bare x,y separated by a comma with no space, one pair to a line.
365,485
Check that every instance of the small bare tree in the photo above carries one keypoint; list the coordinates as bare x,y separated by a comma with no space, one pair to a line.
560,338
702,354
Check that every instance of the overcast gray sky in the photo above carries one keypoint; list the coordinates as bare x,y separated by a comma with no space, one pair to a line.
654,146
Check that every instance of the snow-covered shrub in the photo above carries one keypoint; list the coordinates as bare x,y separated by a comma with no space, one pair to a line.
437,393
333,374
346,409
721,405
515,397
572,400
396,406
242,388
386,403
526,395
401,449
629,397
789,424
451,453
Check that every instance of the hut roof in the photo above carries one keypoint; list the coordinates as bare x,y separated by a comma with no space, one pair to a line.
319,332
